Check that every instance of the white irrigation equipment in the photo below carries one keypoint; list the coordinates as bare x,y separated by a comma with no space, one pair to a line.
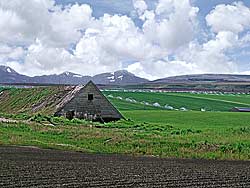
156,104
131,100
168,107
183,109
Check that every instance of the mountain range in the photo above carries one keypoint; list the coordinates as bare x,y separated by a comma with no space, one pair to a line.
122,77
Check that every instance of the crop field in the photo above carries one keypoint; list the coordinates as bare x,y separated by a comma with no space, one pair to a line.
177,101
33,167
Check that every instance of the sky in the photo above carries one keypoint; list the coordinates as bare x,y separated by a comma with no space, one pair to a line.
150,38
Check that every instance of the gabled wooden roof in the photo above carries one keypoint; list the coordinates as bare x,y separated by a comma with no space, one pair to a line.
77,100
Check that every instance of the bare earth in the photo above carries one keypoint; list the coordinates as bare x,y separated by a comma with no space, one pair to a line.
33,167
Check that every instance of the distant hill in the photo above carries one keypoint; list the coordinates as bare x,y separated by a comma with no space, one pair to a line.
8,75
201,78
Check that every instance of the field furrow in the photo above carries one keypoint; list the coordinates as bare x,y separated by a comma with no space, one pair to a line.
29,167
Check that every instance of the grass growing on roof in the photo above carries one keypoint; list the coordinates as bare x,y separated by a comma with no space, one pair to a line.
23,100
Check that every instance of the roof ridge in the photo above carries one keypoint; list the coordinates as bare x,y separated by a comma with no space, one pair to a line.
70,95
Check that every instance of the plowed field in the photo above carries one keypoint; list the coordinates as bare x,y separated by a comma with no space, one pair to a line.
32,167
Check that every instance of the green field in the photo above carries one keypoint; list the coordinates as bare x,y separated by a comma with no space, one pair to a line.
210,135
209,102
148,130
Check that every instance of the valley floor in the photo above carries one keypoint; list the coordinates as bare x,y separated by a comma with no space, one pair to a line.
33,167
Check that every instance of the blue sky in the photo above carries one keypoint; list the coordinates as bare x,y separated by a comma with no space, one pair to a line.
126,6
150,38
104,6
207,5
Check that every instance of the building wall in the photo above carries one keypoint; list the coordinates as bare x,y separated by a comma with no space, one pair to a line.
83,108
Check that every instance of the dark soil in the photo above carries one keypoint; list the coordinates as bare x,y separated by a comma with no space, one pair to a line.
31,167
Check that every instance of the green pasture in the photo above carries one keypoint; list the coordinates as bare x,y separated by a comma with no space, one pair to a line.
207,135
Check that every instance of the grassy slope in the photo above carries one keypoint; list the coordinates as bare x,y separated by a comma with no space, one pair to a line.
187,100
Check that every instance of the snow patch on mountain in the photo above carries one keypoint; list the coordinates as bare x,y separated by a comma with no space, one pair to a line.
9,70
77,76
120,77
111,77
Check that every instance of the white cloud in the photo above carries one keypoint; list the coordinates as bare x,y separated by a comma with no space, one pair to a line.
116,39
244,41
24,21
51,38
100,45
10,53
67,24
140,6
243,73
210,57
173,24
231,24
195,59
234,18
161,68
42,59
